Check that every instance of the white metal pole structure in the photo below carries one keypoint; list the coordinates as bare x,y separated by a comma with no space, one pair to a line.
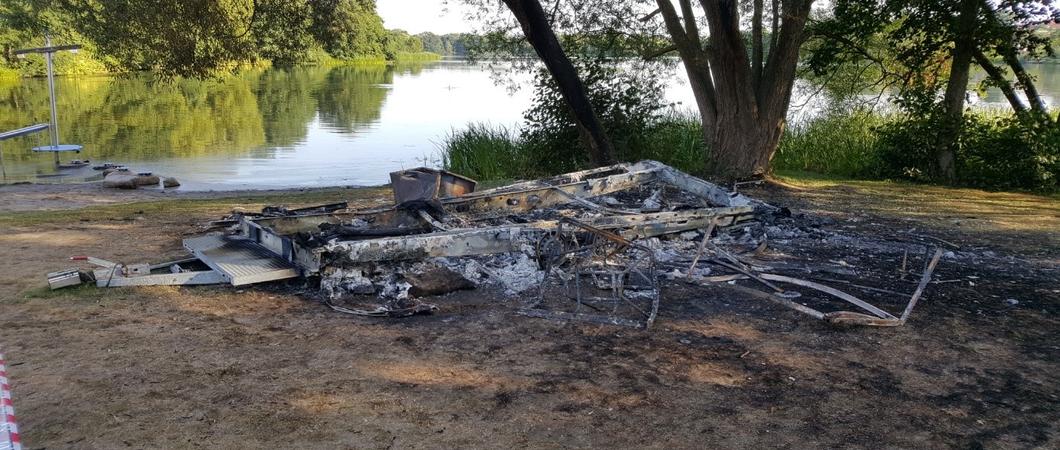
51,92
48,51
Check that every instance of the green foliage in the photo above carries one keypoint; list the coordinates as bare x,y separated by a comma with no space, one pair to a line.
838,143
451,44
199,37
22,26
349,28
997,150
1011,152
627,97
906,45
399,42
625,100
674,138
487,152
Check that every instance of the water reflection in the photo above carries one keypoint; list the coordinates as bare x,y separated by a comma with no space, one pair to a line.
1047,80
352,97
270,128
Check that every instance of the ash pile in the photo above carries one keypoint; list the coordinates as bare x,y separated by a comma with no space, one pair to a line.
600,246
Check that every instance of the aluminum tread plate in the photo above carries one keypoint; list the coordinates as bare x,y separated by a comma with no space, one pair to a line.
240,261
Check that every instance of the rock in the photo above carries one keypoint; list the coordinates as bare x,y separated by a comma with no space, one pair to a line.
120,180
146,180
437,281
170,182
1011,302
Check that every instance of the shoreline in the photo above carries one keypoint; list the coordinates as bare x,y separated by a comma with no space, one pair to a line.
23,197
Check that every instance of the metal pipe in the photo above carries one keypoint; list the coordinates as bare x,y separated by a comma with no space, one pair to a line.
51,97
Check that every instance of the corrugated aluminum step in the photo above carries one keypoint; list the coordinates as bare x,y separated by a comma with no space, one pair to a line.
240,261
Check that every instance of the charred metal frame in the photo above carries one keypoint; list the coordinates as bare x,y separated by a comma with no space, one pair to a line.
577,252
275,233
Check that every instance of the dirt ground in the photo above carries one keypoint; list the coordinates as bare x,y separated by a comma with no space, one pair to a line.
222,367
37,197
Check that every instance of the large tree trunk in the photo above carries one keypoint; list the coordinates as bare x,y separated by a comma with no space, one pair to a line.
744,147
538,31
956,89
697,65
743,99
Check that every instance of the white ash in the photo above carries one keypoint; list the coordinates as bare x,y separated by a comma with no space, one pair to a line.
653,203
395,287
341,281
689,235
669,250
357,223
515,273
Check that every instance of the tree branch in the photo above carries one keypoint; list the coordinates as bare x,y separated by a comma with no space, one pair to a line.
775,30
659,52
999,80
696,60
250,23
648,16
756,44
690,23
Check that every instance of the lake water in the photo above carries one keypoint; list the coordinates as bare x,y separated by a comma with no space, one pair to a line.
302,127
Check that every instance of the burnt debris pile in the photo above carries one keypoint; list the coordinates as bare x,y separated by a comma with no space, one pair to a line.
599,246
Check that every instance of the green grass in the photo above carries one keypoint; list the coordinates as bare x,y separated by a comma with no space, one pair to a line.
675,139
485,152
489,152
843,144
81,292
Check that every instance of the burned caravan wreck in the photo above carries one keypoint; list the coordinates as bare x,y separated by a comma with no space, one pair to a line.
475,223
593,245
521,226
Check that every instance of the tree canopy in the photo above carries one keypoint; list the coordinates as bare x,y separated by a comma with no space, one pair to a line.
203,37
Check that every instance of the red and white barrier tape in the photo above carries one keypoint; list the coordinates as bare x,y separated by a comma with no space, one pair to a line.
9,438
